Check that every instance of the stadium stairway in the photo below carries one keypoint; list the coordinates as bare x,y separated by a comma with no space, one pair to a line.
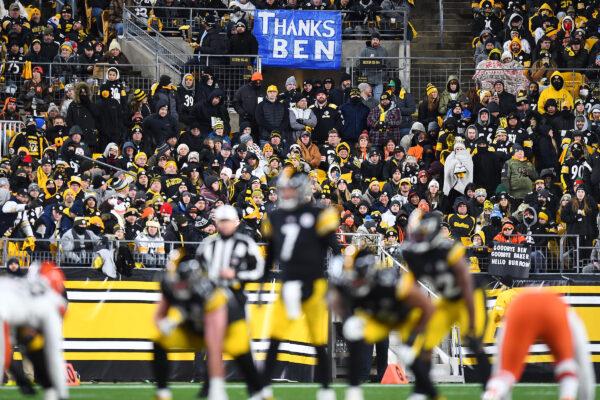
432,62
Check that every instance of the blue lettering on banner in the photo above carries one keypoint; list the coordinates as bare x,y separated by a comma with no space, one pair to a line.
299,39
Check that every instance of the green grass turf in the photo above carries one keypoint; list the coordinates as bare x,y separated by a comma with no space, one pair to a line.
284,392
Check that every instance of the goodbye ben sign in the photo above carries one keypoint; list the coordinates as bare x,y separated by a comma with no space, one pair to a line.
299,39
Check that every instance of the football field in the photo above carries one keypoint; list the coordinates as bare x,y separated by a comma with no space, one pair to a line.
119,391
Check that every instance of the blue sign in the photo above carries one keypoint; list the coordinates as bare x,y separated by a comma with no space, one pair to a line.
299,39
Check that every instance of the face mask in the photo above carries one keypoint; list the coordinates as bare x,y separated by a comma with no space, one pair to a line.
79,229
557,84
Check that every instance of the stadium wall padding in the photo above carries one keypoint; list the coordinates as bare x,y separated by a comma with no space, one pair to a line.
108,328
108,331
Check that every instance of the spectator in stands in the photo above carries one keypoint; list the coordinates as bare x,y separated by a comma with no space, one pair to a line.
429,106
35,94
452,92
557,92
213,42
302,118
574,56
81,113
160,126
150,244
506,101
243,41
366,94
508,234
376,51
212,109
341,94
458,172
354,114
246,98
328,117
115,56
115,17
384,122
77,244
271,115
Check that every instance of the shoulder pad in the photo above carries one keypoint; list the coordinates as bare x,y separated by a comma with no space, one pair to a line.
327,222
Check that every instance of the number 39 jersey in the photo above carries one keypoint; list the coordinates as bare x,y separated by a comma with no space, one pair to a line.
298,240
436,269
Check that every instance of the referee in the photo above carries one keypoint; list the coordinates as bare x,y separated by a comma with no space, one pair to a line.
231,258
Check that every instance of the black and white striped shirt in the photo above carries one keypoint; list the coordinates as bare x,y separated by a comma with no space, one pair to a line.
238,252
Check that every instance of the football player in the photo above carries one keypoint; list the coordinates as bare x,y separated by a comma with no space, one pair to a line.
374,303
33,307
540,314
194,315
441,265
299,235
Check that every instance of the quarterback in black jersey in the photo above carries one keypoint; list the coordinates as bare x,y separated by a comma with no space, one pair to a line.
440,264
194,315
298,236
373,302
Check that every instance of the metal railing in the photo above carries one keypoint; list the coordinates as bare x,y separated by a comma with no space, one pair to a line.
8,129
441,10
166,53
391,24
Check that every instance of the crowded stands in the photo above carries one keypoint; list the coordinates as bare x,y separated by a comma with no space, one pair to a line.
102,162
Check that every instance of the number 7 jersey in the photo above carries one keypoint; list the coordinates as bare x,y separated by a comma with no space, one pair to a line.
298,240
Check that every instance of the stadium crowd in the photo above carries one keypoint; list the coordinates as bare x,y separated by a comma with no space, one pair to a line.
99,162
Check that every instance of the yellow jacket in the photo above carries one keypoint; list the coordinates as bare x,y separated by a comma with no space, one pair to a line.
563,97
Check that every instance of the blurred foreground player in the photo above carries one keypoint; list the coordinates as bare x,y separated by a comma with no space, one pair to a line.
441,265
539,314
33,308
373,303
194,315
298,236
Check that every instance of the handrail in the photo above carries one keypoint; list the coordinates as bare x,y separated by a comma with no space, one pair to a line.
441,7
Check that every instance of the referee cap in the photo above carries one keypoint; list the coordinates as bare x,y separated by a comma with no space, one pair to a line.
226,213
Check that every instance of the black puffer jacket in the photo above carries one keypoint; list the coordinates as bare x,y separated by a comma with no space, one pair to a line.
272,116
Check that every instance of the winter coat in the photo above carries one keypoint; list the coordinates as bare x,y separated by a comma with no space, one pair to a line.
215,42
447,96
110,125
328,118
245,101
205,112
271,116
563,97
310,153
243,44
354,115
577,224
518,177
389,128
299,120
374,75
166,96
158,129
82,113
487,166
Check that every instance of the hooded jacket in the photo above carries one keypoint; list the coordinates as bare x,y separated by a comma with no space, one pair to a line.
270,116
205,112
562,96
447,95
518,177
81,112
158,128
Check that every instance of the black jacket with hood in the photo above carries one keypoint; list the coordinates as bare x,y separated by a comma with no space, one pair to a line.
83,113
206,111
157,128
